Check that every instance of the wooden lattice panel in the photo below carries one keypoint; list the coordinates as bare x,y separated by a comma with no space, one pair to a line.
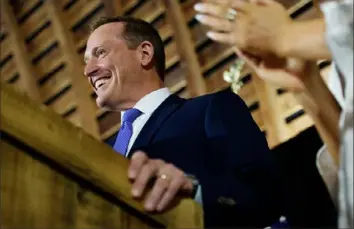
54,79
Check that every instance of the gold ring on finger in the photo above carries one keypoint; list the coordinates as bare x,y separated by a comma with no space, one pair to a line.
163,177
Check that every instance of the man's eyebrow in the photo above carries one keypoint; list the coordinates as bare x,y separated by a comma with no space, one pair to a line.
86,58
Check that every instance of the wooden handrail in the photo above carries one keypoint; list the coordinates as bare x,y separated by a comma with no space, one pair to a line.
77,151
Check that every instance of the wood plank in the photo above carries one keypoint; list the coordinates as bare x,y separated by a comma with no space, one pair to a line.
198,33
41,42
55,84
80,10
8,70
213,54
36,20
24,65
165,29
298,125
80,87
149,10
50,62
109,120
81,34
187,8
286,103
62,142
110,132
25,7
175,76
35,194
195,82
273,122
64,103
5,48
128,4
74,118
172,55
17,86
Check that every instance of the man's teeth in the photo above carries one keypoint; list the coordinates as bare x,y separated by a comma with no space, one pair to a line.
100,82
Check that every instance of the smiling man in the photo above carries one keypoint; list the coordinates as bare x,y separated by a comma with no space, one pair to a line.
208,148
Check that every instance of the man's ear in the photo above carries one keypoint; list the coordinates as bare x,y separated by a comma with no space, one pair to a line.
146,53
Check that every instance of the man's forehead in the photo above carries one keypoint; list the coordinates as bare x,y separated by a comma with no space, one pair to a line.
113,28
103,34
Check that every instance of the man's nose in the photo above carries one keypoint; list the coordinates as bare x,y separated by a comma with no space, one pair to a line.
91,69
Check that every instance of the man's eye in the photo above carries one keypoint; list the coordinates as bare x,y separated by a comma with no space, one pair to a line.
101,52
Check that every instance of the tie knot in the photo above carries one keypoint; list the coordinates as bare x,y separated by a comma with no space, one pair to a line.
131,114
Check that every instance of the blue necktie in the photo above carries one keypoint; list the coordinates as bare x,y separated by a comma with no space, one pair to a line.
126,131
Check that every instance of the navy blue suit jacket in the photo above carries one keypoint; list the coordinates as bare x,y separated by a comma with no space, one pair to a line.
215,138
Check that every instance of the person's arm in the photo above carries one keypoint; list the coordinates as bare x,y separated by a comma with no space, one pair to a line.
240,184
304,40
323,108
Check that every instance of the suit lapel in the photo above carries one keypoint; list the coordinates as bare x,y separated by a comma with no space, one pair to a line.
158,117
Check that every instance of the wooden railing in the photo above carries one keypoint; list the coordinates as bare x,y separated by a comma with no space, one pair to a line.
55,175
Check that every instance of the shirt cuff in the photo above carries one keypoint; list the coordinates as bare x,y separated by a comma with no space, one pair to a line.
198,196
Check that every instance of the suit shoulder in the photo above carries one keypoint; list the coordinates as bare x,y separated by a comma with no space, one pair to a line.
222,94
225,96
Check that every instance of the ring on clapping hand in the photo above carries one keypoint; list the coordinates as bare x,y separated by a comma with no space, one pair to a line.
231,14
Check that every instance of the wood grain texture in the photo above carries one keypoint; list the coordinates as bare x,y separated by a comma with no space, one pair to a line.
76,151
26,69
34,195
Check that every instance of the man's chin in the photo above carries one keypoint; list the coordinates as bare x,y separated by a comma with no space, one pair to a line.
100,102
104,103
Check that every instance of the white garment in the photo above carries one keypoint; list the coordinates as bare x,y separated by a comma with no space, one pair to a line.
339,33
147,105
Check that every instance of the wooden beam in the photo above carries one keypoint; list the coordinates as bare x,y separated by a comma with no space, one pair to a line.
113,7
73,149
273,121
196,84
28,79
81,88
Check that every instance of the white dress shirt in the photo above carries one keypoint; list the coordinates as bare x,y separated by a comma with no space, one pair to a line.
147,105
339,33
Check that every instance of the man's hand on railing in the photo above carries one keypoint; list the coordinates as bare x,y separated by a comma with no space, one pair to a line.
168,181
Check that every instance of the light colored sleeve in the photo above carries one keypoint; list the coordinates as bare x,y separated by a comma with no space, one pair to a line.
329,172
198,196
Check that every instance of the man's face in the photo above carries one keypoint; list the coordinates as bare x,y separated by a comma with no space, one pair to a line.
111,67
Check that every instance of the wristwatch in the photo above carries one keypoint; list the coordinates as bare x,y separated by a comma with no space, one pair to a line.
195,183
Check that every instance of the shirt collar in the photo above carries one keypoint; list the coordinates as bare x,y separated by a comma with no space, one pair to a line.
150,102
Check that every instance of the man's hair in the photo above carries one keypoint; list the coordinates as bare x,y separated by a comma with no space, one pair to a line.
135,32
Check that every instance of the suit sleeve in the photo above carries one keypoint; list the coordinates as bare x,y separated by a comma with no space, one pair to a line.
241,182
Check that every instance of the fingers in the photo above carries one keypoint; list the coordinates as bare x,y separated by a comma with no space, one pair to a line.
264,2
141,171
147,172
226,38
173,188
218,24
217,10
166,187
137,161
240,5
157,192
169,182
